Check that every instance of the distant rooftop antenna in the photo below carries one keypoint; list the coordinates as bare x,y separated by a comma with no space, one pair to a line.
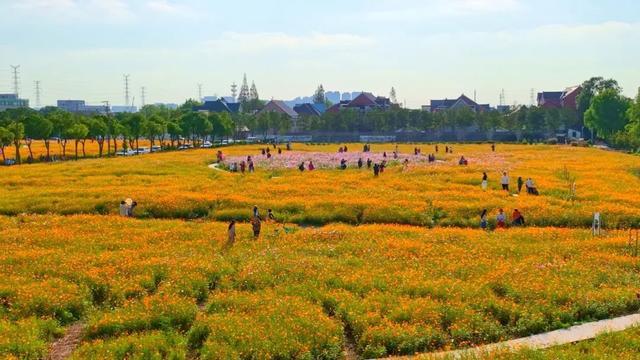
37,93
126,89
502,98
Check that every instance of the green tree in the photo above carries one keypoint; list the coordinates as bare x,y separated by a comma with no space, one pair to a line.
17,129
590,89
6,139
175,131
98,131
633,115
135,125
37,127
77,132
319,96
607,113
155,128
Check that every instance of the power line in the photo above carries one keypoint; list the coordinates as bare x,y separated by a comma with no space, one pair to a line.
15,78
126,89
37,93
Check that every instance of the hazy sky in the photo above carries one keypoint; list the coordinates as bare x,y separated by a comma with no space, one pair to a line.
426,49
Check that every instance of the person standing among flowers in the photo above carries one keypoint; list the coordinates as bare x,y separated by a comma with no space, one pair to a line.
311,166
483,220
505,181
231,231
520,183
517,219
256,224
501,220
485,181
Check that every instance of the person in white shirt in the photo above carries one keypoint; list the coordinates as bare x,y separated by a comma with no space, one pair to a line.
505,181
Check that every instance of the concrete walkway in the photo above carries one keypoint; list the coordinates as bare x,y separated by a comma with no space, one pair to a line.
542,341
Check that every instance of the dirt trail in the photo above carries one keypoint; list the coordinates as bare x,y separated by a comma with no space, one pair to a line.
62,348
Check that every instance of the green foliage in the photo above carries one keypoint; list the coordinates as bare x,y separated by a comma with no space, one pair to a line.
607,113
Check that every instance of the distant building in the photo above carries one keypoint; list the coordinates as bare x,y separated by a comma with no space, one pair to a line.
449,104
333,96
80,107
219,105
170,106
566,99
116,109
11,101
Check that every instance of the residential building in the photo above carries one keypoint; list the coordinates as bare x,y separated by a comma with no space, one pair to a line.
280,107
449,104
566,99
12,101
304,110
219,105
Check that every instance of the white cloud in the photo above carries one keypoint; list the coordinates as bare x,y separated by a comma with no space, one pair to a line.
169,8
96,10
410,10
266,41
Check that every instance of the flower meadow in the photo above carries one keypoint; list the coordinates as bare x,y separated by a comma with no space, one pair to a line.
380,266
173,288
181,185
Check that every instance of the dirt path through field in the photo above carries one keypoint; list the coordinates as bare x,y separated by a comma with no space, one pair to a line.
542,341
62,348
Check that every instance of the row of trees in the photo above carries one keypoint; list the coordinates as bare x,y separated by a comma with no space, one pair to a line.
157,124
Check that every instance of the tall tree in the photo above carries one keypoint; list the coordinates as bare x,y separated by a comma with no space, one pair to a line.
319,97
393,97
98,131
590,89
607,113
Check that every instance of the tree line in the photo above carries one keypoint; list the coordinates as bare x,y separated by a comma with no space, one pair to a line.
601,107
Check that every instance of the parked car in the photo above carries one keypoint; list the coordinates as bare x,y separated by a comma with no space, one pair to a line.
126,153
156,148
206,145
185,147
143,150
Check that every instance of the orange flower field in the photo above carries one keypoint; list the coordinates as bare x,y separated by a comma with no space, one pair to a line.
180,185
393,265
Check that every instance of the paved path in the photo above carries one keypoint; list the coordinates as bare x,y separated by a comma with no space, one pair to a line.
542,341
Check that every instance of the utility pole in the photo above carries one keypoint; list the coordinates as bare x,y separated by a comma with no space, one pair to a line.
143,90
200,92
38,93
502,98
15,78
126,89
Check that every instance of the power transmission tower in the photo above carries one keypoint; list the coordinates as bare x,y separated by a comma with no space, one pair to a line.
143,90
502,98
126,89
37,93
15,78
200,92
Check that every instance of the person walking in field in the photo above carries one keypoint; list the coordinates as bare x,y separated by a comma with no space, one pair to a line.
251,166
376,170
501,220
360,163
301,167
493,147
243,166
369,162
483,220
231,231
485,181
437,149
256,224
520,183
311,166
256,212
504,181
